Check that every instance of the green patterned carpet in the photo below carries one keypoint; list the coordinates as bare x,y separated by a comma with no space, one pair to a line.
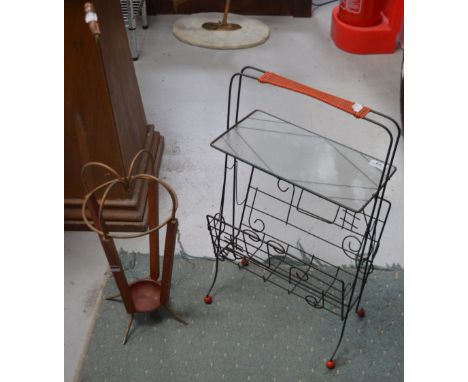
253,331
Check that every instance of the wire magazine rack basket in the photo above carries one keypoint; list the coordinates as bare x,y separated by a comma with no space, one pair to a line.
294,202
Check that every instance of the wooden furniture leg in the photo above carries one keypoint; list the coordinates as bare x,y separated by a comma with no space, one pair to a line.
153,221
169,248
112,257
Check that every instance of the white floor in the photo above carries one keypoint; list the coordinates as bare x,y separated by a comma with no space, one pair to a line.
184,90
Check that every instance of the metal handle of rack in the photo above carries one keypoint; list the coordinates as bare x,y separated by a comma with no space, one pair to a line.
350,107
391,127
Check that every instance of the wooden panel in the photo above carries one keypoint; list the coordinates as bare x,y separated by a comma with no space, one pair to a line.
122,214
297,8
104,115
86,131
129,114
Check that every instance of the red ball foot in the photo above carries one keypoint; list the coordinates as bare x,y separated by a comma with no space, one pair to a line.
244,262
208,299
361,313
330,364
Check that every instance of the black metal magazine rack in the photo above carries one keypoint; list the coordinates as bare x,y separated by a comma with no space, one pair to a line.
294,202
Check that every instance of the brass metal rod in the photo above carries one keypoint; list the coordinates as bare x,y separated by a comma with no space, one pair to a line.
227,5
128,330
132,179
137,157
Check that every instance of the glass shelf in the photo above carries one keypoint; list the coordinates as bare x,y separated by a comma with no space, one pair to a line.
310,161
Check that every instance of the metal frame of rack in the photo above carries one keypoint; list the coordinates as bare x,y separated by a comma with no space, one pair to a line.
246,237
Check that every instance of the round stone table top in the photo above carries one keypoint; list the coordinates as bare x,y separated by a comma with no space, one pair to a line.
189,30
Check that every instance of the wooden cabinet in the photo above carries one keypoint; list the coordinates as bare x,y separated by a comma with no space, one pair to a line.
104,116
298,8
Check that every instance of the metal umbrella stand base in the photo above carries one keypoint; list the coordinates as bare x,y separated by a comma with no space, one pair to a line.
146,294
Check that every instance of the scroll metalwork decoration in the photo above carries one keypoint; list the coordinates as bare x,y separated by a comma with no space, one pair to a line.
278,248
254,237
299,274
347,246
257,220
317,303
279,187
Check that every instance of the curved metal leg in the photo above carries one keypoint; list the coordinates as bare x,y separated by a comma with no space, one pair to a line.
331,362
208,299
113,298
175,315
358,308
129,326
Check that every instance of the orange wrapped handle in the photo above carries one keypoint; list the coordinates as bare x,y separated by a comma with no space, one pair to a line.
350,107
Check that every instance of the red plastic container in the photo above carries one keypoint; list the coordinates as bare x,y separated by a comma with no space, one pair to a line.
361,13
375,39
